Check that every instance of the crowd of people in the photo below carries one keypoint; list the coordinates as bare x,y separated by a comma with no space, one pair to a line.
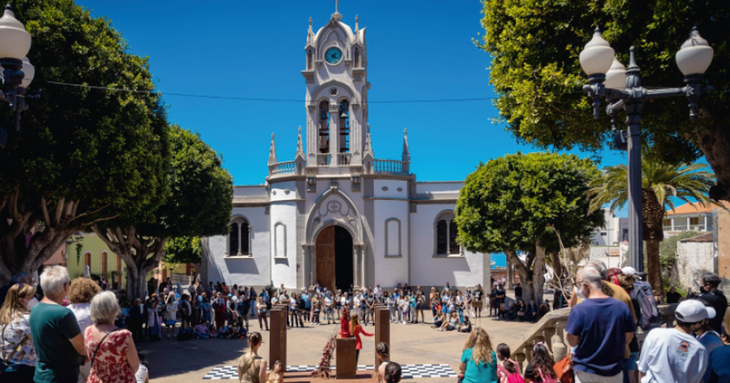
77,331
70,335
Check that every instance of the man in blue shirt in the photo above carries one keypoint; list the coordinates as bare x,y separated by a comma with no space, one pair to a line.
600,327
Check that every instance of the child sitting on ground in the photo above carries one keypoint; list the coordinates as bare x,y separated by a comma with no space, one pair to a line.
201,331
274,375
237,332
465,325
224,333
438,320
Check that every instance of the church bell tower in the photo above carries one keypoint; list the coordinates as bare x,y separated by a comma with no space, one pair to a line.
336,79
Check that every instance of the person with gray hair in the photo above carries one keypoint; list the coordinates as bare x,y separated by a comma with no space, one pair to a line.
56,335
111,351
601,327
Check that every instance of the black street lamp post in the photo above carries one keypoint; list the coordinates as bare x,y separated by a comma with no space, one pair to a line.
17,69
623,90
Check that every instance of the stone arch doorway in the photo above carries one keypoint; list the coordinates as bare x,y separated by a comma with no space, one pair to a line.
335,266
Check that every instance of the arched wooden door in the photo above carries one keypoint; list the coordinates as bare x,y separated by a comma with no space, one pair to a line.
326,258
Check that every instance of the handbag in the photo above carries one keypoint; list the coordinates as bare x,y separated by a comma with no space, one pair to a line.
564,369
99,345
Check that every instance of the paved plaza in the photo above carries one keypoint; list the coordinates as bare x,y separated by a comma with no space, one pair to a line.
173,361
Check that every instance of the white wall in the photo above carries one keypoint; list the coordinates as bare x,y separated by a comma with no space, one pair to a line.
390,270
250,271
283,270
428,270
694,258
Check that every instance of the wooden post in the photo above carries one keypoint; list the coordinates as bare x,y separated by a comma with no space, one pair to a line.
277,349
346,364
382,329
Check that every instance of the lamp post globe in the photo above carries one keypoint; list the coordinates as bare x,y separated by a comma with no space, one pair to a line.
14,39
29,71
596,57
616,75
695,55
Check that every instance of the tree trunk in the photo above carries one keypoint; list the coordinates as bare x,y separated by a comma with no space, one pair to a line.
652,217
532,283
148,251
714,140
654,267
538,274
557,266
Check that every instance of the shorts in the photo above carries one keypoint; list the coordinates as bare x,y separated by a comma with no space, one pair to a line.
476,304
630,362
171,322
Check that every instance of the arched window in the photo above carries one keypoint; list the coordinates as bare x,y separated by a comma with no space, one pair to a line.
239,238
446,232
324,129
357,58
344,114
309,59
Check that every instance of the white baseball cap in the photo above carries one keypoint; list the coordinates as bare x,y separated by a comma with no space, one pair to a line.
693,311
629,270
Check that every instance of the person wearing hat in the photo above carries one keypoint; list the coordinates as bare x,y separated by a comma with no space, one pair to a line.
673,354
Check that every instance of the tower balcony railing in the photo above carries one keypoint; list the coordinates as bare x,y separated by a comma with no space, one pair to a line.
343,159
287,167
322,159
388,166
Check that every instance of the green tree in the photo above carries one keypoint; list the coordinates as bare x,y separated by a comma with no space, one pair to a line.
659,181
183,250
515,203
535,69
199,205
82,155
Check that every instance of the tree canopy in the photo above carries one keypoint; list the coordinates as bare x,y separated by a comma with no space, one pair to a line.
535,69
199,204
82,155
515,202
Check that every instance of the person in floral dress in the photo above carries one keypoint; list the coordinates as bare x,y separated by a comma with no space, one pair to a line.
16,343
116,359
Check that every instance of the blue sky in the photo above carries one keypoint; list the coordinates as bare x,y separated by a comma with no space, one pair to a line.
416,51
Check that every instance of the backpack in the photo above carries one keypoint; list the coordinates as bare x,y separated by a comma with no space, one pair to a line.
650,317
513,377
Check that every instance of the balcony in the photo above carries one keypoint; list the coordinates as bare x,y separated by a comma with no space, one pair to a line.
288,167
388,166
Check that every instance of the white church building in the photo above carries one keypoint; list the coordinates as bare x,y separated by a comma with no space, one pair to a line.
337,215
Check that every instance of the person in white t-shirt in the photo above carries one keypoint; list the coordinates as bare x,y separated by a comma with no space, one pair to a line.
673,354
378,292
329,308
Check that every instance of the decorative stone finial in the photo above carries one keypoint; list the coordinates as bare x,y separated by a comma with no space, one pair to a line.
272,151
406,150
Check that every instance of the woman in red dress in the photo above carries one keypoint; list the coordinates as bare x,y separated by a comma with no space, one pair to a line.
356,329
111,351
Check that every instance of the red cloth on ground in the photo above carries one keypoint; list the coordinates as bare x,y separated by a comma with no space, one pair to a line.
356,332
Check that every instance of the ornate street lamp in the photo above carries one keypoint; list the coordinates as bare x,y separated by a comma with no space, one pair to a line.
17,69
607,78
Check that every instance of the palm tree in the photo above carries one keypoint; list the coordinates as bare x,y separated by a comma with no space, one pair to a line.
659,181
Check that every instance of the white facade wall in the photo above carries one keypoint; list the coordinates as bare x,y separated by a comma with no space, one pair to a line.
427,268
390,269
253,270
283,229
694,258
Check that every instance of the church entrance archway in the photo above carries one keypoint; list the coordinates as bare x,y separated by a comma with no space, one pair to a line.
335,258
